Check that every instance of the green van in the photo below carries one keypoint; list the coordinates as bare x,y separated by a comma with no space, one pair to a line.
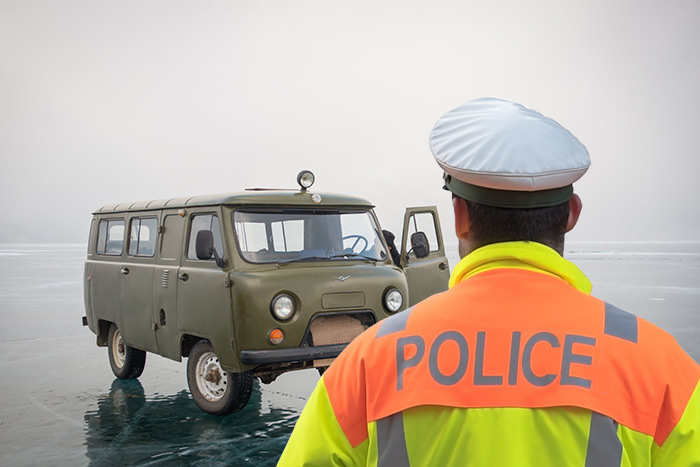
249,285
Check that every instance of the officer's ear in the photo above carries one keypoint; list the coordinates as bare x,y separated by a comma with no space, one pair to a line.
575,206
461,217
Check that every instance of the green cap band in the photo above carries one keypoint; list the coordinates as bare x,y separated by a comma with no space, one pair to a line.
508,198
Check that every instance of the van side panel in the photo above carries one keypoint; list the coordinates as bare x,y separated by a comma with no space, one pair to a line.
431,274
165,285
136,291
136,296
204,298
210,318
87,277
105,282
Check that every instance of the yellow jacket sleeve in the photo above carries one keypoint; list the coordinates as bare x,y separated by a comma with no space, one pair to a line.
318,440
682,447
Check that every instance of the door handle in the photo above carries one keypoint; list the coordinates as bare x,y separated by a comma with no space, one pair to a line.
183,277
442,266
124,271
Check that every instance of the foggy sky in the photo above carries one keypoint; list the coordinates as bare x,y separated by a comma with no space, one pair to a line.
105,102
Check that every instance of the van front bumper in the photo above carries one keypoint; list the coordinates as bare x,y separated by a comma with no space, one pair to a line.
298,354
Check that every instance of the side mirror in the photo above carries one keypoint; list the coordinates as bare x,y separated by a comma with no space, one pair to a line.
204,244
419,245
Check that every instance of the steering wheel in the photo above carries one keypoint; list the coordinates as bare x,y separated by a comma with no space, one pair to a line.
358,239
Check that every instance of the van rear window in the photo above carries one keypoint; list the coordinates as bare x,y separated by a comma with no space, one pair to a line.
110,237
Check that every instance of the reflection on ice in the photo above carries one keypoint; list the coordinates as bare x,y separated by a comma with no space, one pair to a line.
127,428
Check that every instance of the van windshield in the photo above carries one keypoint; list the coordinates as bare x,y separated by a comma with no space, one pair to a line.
279,236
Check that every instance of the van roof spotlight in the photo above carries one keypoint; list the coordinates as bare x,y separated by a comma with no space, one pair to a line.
305,179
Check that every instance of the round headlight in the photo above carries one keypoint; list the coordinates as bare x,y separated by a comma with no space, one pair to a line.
305,179
282,307
393,300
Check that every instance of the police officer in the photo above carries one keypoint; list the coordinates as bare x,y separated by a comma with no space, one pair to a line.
516,364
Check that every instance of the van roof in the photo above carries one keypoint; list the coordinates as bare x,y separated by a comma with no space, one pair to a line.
249,197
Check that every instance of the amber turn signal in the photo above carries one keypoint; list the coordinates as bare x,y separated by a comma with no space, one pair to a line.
276,336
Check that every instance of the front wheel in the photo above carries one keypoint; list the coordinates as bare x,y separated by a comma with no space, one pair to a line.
126,362
215,390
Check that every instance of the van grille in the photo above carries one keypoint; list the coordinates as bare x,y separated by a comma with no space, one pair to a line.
337,328
331,330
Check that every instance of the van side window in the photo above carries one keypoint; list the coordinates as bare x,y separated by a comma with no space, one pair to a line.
142,237
424,222
110,237
204,222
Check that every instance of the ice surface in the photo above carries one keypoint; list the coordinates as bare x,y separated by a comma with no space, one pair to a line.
61,405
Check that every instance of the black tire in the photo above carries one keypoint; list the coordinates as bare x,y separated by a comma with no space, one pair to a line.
215,390
126,362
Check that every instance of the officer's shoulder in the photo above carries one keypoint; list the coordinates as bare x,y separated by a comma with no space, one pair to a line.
653,339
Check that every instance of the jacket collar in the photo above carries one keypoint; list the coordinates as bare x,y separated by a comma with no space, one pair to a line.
520,255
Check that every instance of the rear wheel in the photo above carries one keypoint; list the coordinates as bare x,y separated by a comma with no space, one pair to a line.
126,362
215,390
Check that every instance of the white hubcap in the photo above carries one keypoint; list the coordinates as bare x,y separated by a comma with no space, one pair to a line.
118,349
211,378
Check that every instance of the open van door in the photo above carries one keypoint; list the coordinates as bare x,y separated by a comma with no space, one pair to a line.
423,254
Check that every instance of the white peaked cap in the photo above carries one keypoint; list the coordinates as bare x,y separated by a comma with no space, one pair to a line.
500,153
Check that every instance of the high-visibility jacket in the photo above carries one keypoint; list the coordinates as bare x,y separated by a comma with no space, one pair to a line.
516,364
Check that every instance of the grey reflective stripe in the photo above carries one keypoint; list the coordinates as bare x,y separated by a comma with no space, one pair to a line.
620,324
394,323
604,447
391,442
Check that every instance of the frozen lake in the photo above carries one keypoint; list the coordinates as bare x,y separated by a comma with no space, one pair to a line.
61,404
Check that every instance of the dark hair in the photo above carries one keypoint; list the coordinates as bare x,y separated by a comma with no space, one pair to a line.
489,224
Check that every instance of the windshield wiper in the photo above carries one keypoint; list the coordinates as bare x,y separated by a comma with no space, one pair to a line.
304,258
353,255
326,258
